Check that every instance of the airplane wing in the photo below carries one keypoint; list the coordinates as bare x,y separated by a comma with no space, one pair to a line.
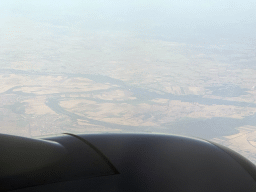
121,162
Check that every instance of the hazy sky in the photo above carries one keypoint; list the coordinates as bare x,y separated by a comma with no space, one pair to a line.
197,18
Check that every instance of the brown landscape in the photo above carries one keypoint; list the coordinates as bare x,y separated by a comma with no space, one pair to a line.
102,82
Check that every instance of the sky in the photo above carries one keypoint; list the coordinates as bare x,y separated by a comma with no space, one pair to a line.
172,19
